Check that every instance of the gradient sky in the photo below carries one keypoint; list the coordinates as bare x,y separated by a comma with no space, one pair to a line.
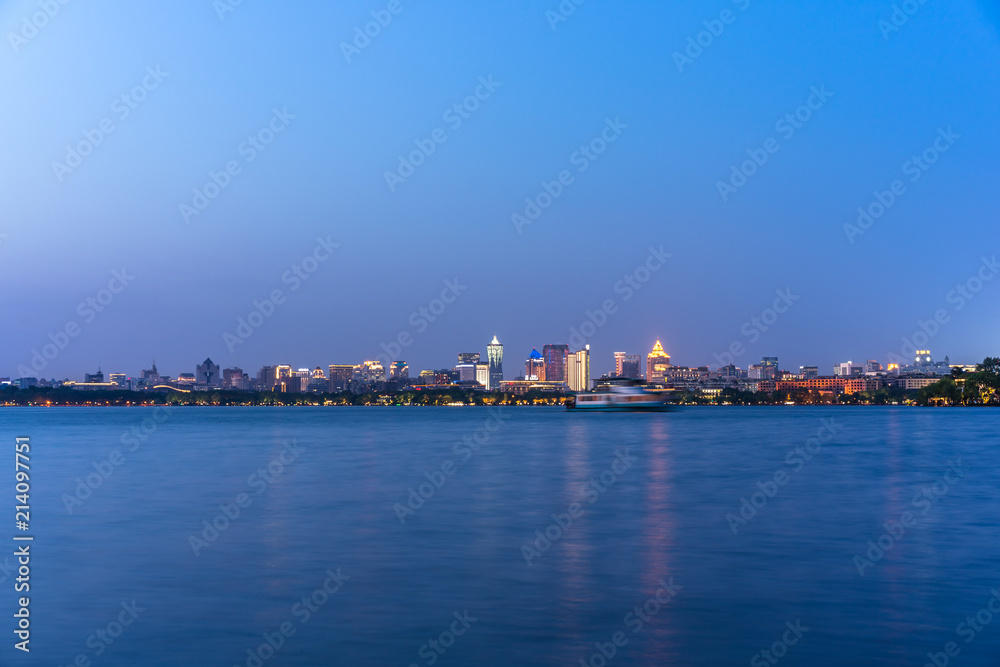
655,186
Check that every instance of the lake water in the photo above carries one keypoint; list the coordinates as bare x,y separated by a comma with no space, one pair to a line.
463,578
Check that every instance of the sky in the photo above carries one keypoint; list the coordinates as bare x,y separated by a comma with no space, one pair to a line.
594,144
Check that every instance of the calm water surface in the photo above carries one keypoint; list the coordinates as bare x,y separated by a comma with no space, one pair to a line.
335,505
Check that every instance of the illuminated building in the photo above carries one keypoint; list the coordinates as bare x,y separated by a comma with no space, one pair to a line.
578,370
369,375
807,372
534,367
468,357
923,358
494,353
267,377
628,365
556,359
872,367
340,377
186,379
769,368
848,369
398,370
483,374
119,379
657,363
466,372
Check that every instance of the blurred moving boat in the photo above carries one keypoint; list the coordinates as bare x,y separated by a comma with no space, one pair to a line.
619,398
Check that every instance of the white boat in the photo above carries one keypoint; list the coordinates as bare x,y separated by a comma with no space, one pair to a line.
618,397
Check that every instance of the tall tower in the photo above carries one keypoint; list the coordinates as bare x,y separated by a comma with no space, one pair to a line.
494,352
657,362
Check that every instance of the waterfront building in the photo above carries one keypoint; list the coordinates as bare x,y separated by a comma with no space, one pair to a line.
483,374
556,358
578,371
340,377
399,370
494,353
534,367
769,368
233,378
657,363
466,372
207,374
97,378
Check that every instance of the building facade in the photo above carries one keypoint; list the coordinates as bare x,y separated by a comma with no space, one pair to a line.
578,371
657,363
494,353
556,359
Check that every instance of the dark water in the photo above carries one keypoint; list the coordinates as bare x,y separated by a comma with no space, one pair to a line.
662,521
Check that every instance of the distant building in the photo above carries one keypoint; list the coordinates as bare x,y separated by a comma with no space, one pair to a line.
466,372
520,387
848,369
556,359
399,370
494,353
121,380
468,357
807,372
207,373
369,375
578,370
340,379
234,378
267,377
657,363
97,377
769,366
627,365
872,367
534,367
483,374
186,380
151,377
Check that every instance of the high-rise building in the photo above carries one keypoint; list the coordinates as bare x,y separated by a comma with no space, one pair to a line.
769,368
466,372
628,365
369,375
207,373
808,372
556,360
232,378
494,353
578,370
534,367
468,357
340,377
657,363
848,369
872,367
483,374
619,362
399,370
94,377
267,377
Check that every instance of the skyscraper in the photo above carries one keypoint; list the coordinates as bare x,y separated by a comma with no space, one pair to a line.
578,370
494,352
627,365
534,367
340,377
556,360
657,363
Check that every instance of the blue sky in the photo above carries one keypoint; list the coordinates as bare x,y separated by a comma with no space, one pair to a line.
656,184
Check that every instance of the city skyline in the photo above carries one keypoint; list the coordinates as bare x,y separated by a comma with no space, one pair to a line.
630,148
